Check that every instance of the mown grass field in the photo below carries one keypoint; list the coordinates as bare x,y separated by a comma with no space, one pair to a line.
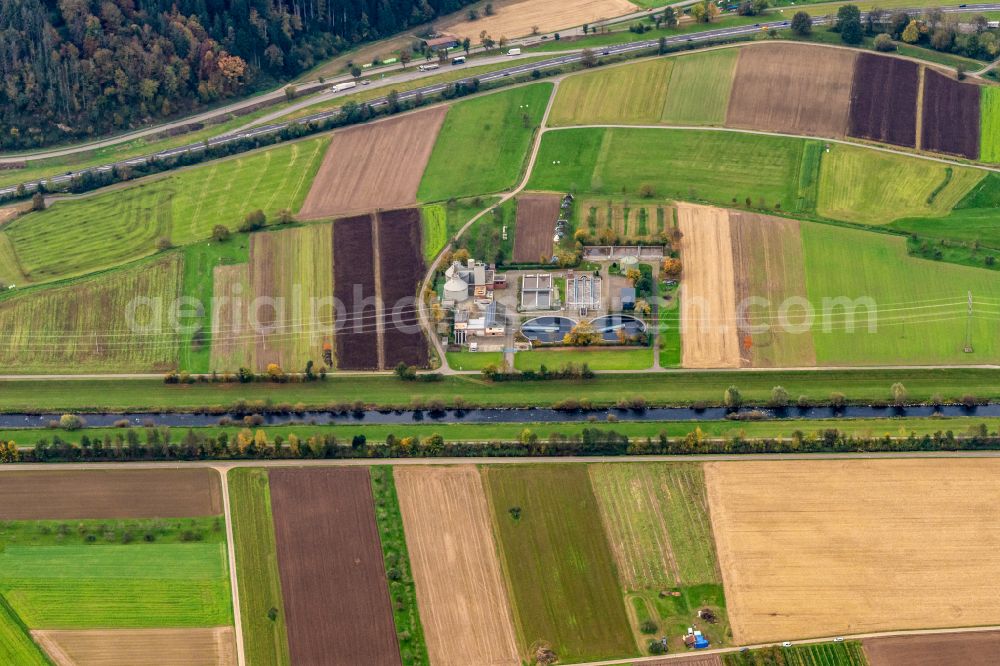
848,653
921,304
871,187
596,359
484,143
265,638
699,88
975,220
16,645
682,388
402,589
473,360
108,580
100,231
441,221
630,94
718,167
555,555
84,326
989,114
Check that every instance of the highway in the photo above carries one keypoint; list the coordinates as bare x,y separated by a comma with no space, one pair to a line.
515,69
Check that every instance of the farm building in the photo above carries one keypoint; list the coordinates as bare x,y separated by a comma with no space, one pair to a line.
443,41
537,292
583,292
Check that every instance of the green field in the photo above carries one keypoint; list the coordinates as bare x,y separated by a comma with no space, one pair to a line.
484,143
974,221
441,222
84,326
989,138
402,589
848,653
699,89
89,574
718,167
473,360
560,571
596,359
630,94
103,230
265,639
656,517
16,645
921,304
682,388
874,187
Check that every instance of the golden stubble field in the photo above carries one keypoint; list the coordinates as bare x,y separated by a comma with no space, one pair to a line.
818,548
517,18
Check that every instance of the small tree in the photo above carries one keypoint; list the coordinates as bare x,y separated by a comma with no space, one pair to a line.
670,17
355,72
71,422
37,201
899,394
672,267
163,243
911,33
884,43
253,221
291,92
732,399
587,58
960,72
779,397
802,24
466,45
220,233
582,335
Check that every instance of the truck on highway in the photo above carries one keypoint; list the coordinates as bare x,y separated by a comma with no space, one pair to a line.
427,68
514,52
341,87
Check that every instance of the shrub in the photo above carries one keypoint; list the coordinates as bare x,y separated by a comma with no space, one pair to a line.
884,43
71,422
220,233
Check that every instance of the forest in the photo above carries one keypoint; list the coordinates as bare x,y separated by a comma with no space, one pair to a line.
72,69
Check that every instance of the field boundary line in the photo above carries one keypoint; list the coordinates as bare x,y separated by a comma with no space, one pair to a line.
375,219
234,583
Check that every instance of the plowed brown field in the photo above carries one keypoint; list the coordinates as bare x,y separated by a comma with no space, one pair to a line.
232,337
950,115
536,224
333,581
884,99
124,493
708,293
818,548
794,88
354,289
401,268
460,590
374,166
517,18
972,648
139,647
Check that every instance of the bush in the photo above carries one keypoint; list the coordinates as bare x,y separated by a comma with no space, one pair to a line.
884,43
253,221
648,627
220,233
802,24
71,422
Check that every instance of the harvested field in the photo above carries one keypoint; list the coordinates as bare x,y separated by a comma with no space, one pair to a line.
333,581
232,337
374,166
139,647
83,326
793,88
517,18
884,100
700,87
768,264
401,267
460,589
634,93
357,340
950,115
536,224
819,548
127,493
291,272
629,222
708,301
972,648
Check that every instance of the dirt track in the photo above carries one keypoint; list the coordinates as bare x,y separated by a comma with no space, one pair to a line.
821,548
792,88
536,224
708,291
517,18
332,575
460,590
139,647
374,166
124,493
975,648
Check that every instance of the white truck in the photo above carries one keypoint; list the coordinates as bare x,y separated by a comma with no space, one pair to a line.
514,52
428,68
341,87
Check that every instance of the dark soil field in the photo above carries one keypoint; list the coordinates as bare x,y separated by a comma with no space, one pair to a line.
354,289
333,581
794,88
884,100
401,268
950,116
972,648
536,223
79,494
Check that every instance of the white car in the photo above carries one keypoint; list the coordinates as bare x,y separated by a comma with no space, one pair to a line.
786,644
838,639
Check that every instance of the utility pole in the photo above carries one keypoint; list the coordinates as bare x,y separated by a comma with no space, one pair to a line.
968,328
